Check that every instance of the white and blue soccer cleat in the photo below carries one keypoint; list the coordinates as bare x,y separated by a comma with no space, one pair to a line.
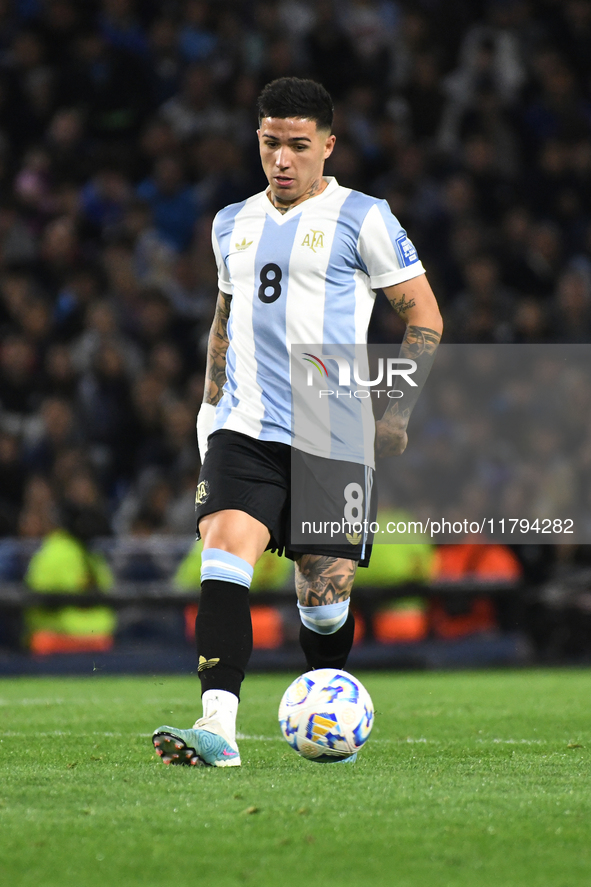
205,744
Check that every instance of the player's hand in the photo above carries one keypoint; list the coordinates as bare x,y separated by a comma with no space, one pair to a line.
391,436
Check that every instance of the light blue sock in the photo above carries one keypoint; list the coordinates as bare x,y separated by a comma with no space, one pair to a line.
325,619
225,567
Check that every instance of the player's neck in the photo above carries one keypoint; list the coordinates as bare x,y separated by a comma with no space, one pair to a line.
316,188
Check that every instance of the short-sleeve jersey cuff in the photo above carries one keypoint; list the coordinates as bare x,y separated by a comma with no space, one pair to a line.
225,286
391,278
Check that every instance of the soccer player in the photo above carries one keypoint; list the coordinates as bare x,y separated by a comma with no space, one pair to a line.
297,263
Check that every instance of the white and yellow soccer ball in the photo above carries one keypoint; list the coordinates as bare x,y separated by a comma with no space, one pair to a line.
326,715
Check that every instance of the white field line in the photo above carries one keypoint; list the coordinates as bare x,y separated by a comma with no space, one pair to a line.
16,734
515,741
247,736
13,734
242,736
41,702
409,740
85,700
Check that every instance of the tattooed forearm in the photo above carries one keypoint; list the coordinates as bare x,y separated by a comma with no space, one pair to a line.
419,344
323,580
419,340
414,301
217,346
402,305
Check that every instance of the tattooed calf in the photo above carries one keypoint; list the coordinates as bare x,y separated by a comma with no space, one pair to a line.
323,580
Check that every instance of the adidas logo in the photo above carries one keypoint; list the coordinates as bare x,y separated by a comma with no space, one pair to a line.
353,538
243,245
206,663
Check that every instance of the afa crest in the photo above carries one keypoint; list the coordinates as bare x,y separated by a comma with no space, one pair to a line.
202,493
314,239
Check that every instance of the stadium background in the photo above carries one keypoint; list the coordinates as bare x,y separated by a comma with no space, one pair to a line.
124,127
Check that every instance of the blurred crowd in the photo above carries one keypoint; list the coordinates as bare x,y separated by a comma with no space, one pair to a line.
126,125
501,438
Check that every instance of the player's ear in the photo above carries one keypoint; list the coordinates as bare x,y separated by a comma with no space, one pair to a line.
329,145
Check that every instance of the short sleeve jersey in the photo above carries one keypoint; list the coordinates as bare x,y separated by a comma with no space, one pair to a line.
306,276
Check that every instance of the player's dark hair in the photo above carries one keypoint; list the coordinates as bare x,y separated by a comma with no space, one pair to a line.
295,97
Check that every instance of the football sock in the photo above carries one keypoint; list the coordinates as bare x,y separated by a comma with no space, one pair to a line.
328,650
326,618
223,628
219,564
224,707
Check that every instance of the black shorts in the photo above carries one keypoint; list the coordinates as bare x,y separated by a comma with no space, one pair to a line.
286,489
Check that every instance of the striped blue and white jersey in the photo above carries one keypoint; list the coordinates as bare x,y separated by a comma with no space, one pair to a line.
304,277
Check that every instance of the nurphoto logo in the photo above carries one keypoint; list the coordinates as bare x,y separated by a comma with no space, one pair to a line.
395,367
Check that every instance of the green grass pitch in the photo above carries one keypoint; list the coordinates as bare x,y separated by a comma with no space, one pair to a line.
468,779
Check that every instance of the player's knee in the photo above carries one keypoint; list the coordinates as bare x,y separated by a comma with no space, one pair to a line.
216,533
235,532
326,618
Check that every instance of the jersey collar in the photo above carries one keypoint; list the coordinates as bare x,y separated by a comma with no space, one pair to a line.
311,201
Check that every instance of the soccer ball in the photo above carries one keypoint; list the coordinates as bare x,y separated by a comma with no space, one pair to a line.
326,715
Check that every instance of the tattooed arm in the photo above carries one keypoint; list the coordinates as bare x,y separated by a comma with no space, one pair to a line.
414,301
217,345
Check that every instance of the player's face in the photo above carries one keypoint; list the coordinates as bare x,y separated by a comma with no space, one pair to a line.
293,152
